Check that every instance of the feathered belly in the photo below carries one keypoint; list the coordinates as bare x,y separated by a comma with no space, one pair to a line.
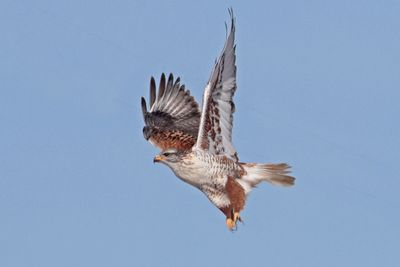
201,168
194,173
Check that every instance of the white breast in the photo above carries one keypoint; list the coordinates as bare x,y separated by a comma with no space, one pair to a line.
200,167
193,171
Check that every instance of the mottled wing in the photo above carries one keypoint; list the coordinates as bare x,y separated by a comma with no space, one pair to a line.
173,118
215,133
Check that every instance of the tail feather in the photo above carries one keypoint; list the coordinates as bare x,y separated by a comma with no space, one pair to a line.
276,174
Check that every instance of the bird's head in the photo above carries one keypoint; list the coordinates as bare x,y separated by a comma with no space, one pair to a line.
169,156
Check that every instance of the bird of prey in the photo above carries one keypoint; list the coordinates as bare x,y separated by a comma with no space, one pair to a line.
197,146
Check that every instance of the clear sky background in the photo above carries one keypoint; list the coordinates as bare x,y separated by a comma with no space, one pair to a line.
318,87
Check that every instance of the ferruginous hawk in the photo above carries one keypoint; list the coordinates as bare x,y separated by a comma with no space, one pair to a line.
197,146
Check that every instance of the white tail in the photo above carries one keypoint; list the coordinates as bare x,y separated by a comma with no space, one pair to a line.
275,174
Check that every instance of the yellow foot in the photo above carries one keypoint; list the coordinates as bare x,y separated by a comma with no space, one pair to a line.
231,223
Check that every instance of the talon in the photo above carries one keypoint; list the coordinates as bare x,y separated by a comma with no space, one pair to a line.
230,223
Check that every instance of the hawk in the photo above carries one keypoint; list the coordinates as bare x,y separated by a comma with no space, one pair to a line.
197,146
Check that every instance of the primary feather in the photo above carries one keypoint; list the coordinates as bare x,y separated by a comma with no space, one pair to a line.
173,117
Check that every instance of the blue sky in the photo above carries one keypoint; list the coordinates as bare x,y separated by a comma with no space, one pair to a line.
318,87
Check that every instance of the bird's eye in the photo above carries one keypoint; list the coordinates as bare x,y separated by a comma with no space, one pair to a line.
166,154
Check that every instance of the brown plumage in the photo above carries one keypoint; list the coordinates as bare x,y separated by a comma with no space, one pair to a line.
173,118
172,139
236,196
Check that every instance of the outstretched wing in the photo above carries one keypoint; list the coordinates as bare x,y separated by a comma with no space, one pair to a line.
173,117
215,134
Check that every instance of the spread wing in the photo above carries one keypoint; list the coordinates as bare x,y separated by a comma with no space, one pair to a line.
215,134
173,118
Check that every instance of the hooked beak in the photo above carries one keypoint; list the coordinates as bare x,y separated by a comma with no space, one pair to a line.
158,158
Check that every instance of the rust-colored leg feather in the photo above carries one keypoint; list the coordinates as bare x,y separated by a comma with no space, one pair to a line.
237,198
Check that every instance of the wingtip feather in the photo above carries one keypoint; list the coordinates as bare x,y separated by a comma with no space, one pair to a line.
161,88
144,107
152,91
